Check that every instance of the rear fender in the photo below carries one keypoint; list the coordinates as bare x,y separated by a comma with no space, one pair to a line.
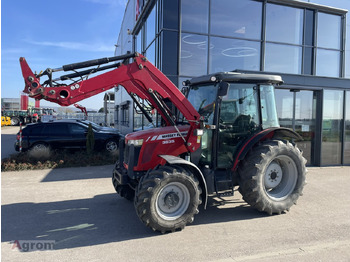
271,133
173,160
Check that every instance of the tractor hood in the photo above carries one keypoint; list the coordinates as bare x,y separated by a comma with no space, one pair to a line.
158,133
149,144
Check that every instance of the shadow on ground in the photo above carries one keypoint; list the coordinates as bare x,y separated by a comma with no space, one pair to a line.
78,173
102,219
7,145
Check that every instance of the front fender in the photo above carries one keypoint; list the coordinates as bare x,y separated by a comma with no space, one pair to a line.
173,160
270,133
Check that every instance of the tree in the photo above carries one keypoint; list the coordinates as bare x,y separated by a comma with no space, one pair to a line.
65,110
102,110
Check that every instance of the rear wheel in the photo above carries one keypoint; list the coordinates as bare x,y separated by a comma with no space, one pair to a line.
40,150
167,198
111,146
272,176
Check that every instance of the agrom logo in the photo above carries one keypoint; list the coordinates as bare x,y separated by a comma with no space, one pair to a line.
32,245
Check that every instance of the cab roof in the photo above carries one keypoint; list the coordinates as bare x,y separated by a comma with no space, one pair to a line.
236,77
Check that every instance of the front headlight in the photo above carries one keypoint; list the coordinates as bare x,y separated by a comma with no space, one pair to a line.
136,142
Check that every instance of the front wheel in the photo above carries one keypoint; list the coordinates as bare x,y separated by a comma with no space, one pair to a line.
167,198
272,176
125,191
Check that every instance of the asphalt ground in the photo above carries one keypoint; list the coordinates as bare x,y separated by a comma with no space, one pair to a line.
78,209
8,138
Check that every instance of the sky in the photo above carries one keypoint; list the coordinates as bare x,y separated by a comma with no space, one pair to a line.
53,33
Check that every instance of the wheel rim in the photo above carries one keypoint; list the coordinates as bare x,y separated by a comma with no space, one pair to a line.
280,178
172,201
40,147
111,146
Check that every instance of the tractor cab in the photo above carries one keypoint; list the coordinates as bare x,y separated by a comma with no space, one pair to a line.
234,107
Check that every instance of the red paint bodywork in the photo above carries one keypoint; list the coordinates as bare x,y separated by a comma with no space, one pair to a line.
159,141
82,108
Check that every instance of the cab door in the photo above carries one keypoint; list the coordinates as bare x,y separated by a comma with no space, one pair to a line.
238,119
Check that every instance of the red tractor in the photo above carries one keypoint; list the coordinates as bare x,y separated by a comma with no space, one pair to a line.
222,132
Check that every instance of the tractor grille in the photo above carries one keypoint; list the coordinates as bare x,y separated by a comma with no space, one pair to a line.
128,154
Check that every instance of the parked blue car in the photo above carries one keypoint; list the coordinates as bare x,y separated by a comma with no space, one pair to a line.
66,134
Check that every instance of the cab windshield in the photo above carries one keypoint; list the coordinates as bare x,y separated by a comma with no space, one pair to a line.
203,100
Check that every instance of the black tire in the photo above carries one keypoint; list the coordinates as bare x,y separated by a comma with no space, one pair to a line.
111,146
124,191
167,198
40,151
15,121
272,176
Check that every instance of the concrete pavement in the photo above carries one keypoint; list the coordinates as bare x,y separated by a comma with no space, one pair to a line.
8,138
79,210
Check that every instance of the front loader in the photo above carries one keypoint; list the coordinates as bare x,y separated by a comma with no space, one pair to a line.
220,133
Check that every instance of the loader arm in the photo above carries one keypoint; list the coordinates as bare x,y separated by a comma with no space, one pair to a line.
82,108
139,77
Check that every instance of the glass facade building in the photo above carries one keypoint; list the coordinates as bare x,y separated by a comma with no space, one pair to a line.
306,42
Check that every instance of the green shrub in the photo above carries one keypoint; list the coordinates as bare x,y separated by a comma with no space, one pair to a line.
58,159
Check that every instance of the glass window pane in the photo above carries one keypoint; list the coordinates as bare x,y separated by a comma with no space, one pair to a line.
283,58
241,100
328,31
194,55
169,52
284,104
284,24
332,127
138,47
170,16
327,63
194,15
305,117
138,118
343,4
77,129
58,130
36,130
305,123
151,27
268,106
347,50
347,130
239,118
230,54
239,18
151,54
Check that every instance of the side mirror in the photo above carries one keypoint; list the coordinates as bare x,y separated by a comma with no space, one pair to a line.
223,88
185,90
